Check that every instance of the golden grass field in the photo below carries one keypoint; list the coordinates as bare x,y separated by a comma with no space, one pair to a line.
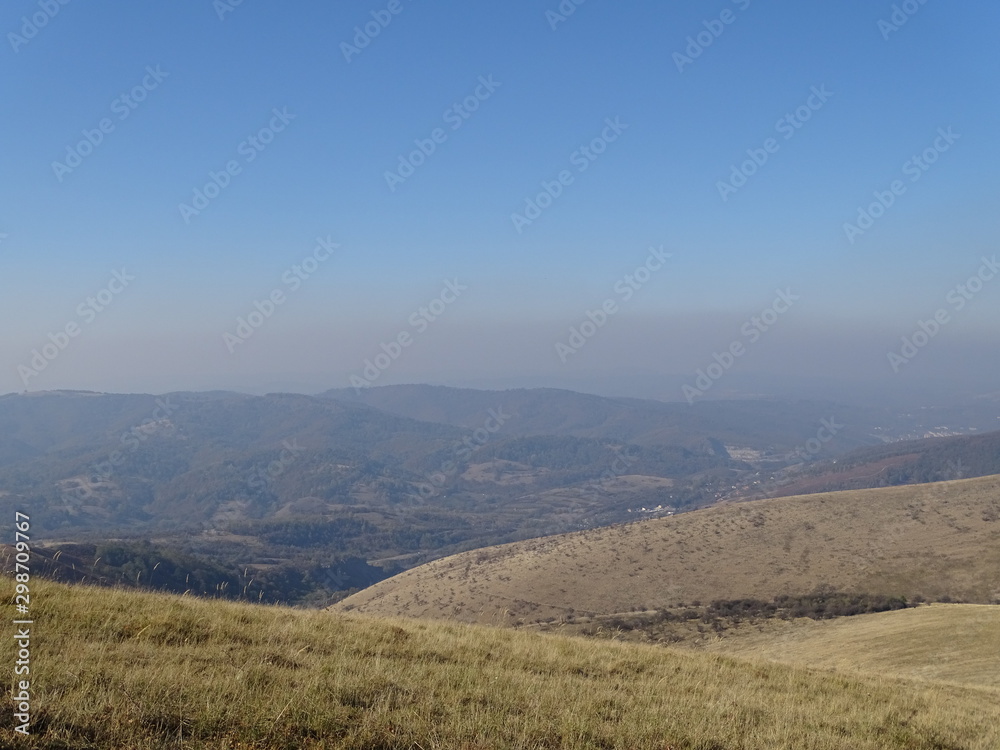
930,540
137,671
957,643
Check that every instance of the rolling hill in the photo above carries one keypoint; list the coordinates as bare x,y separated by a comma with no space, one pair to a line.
89,460
130,464
957,643
111,668
763,425
904,462
927,540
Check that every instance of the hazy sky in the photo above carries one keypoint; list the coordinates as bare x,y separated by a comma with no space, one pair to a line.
490,173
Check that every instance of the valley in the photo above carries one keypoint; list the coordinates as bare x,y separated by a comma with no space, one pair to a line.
652,564
290,498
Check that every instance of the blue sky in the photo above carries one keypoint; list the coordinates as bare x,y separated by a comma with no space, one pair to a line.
348,122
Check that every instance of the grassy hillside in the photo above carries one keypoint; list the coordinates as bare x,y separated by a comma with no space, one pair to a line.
930,540
950,642
112,669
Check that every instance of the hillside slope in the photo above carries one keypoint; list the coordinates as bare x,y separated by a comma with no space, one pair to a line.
931,540
112,669
906,462
944,642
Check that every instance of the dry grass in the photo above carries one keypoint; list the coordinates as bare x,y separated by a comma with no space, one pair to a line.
930,540
946,642
114,669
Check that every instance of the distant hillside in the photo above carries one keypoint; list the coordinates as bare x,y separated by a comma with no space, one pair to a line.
100,460
87,460
930,540
113,669
769,426
907,462
288,484
291,483
309,471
